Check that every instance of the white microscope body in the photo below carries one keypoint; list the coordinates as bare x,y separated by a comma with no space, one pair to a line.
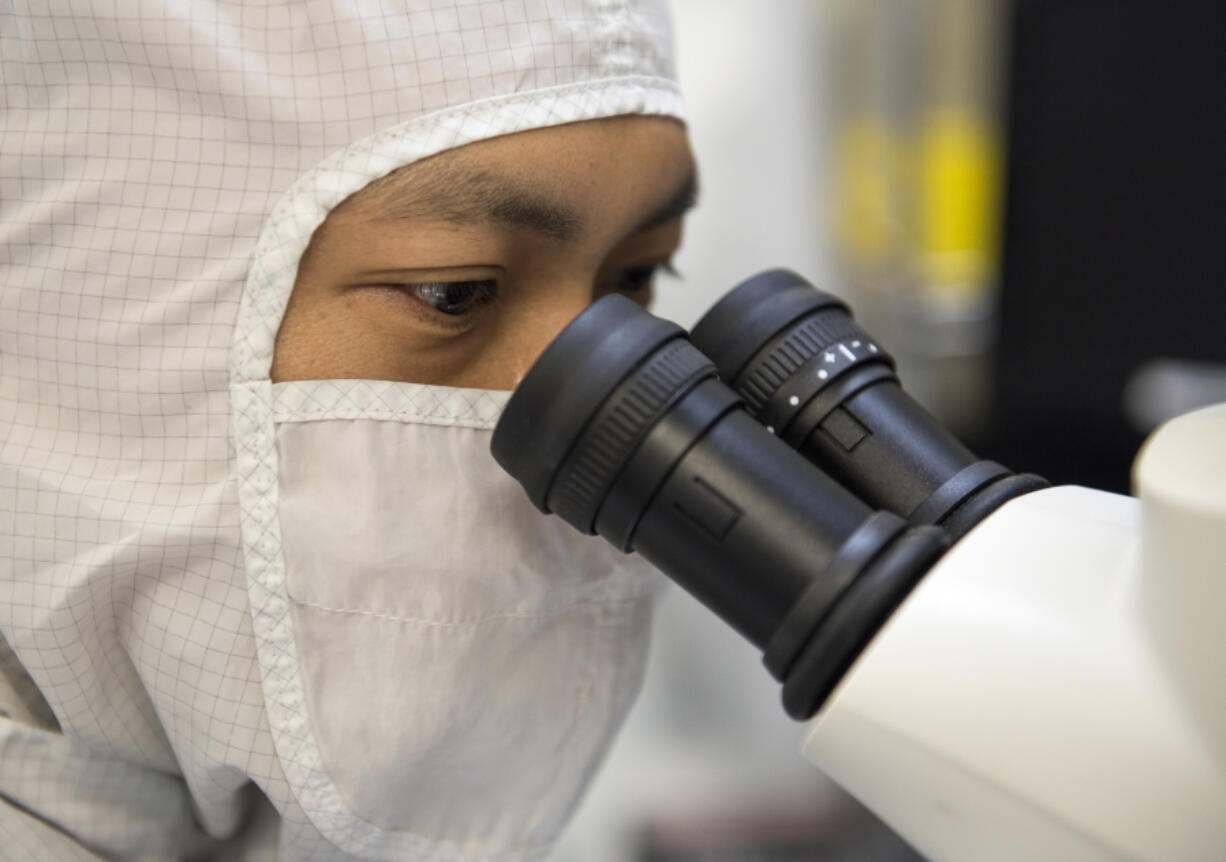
1055,687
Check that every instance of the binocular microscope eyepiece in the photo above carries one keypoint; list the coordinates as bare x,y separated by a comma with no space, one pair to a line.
769,463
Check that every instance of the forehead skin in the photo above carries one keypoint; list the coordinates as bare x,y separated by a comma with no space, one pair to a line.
526,178
461,188
553,215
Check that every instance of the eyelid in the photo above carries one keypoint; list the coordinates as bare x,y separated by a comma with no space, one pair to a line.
443,273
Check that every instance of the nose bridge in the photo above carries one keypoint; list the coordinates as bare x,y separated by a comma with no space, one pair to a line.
554,305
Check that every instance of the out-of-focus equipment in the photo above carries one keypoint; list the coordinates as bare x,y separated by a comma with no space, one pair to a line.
915,158
1050,687
993,160
1112,215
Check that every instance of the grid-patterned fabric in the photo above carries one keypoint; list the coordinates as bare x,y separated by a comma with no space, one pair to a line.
303,400
162,166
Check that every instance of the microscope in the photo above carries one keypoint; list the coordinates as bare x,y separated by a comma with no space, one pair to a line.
1000,669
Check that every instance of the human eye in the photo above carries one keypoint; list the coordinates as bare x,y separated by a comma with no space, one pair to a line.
641,278
454,298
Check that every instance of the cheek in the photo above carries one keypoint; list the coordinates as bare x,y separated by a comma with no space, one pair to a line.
498,354
506,354
357,336
535,326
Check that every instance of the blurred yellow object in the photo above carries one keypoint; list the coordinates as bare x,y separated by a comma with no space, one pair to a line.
869,183
958,178
917,179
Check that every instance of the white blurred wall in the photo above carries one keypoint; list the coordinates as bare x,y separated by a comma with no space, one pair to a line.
750,72
708,731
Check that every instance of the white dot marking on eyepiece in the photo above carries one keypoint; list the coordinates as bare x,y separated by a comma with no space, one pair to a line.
822,373
855,344
873,348
770,428
793,400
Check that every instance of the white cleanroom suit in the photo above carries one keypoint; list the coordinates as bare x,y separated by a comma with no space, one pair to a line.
308,619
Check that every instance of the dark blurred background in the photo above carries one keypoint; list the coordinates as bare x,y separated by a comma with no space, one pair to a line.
1112,300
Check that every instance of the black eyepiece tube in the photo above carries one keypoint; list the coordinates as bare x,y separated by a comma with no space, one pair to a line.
824,386
622,429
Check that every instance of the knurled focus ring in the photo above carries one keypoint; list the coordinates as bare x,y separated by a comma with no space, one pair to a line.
780,358
619,426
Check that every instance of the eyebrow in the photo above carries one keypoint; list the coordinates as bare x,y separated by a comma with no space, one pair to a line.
682,201
520,207
464,196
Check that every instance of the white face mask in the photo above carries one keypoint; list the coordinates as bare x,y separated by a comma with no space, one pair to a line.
463,659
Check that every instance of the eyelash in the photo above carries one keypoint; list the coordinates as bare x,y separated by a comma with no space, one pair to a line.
634,279
458,298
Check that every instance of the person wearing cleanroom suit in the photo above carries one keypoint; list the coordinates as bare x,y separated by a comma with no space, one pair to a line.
269,271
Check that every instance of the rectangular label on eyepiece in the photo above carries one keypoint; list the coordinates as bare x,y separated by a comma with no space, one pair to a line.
844,428
708,509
